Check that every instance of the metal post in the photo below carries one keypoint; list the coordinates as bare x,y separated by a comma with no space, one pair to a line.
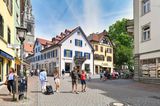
21,55
15,94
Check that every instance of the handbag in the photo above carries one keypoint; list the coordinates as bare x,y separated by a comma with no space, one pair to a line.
6,82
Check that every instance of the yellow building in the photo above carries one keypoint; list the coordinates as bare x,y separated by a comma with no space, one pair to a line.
7,36
103,51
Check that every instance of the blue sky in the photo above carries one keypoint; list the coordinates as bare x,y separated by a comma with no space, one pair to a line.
54,16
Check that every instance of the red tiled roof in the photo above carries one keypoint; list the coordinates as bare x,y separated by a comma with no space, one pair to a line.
28,47
62,35
44,41
97,37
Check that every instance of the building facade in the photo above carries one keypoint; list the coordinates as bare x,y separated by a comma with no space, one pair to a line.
146,37
9,10
103,52
27,20
67,50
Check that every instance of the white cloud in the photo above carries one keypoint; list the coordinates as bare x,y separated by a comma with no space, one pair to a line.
92,19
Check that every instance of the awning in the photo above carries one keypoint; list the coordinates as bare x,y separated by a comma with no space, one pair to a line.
17,61
6,55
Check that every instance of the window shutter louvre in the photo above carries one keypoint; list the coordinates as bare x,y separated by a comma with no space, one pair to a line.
81,43
71,53
75,42
64,53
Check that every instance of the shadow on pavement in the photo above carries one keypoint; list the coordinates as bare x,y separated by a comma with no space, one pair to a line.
3,94
8,99
65,92
36,91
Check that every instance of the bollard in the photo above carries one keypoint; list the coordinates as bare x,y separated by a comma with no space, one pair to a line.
15,92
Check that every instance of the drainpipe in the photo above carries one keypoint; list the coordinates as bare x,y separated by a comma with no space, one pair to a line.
93,61
60,59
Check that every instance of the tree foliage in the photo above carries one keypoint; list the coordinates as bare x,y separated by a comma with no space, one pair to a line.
123,44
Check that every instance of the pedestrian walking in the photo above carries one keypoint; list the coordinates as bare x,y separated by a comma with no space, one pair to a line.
101,74
89,76
83,80
63,73
57,79
11,81
74,77
43,79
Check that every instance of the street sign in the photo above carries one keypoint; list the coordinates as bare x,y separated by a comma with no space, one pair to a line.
13,46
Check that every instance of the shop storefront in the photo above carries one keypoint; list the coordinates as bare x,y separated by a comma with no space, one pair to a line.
5,63
1,69
150,67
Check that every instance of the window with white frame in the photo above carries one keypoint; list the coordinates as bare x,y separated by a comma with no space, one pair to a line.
67,53
145,6
146,33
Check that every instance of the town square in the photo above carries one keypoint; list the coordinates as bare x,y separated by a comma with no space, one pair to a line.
79,52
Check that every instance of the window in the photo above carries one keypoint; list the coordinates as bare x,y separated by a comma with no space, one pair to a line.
55,53
87,55
41,57
29,28
145,7
109,58
109,50
101,49
9,36
78,54
17,18
9,5
48,55
146,33
78,32
78,42
87,68
1,26
67,53
36,50
45,56
96,47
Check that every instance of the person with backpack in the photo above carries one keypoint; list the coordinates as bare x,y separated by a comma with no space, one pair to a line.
74,77
83,80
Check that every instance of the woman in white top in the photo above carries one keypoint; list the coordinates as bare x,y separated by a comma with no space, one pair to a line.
11,81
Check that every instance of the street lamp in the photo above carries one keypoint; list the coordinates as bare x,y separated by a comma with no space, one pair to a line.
21,32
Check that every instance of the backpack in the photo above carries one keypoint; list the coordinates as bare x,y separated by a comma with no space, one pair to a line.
49,90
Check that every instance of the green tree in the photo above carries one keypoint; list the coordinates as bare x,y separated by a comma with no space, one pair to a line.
123,44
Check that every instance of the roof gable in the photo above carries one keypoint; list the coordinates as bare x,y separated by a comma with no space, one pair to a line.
42,41
100,38
74,31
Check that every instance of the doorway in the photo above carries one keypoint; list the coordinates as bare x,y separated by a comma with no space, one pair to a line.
68,67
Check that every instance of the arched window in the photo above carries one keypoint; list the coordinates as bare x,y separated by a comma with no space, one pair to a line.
1,26
109,58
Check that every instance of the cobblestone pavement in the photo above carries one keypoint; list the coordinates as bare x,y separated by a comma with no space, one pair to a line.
93,97
129,91
99,93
